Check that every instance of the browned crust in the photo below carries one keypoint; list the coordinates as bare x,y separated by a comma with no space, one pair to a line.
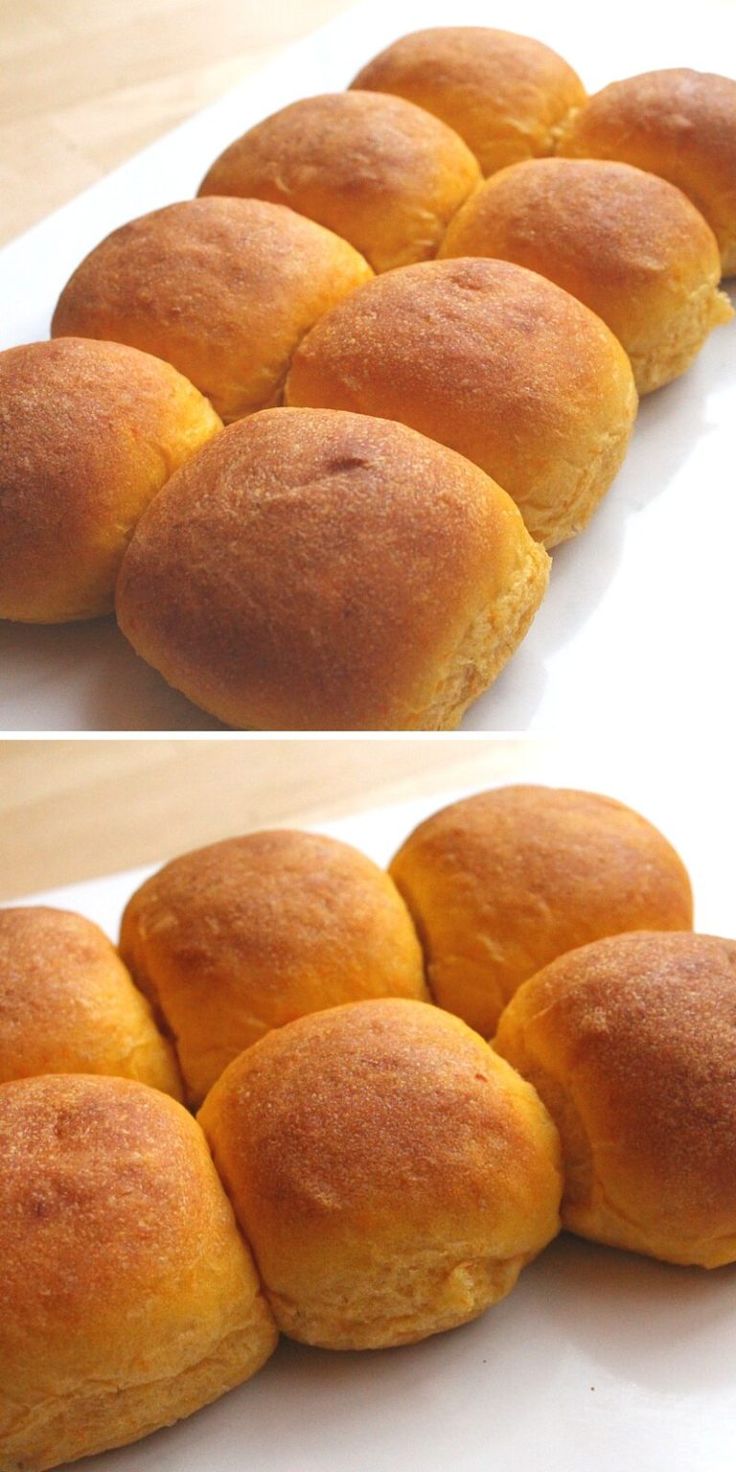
245,935
503,882
360,1145
124,1279
493,361
380,172
221,288
322,571
636,1037
504,94
678,123
628,244
89,432
68,1005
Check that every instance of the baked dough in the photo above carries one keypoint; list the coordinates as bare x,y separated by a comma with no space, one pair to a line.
493,361
221,288
502,882
391,1174
128,1298
678,123
243,936
68,1005
506,95
631,1042
382,173
91,432
627,243
329,571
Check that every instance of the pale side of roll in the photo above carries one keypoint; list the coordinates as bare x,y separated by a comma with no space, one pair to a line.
631,1042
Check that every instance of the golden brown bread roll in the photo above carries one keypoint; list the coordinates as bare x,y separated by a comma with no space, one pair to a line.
383,174
491,360
391,1177
68,1004
627,243
221,288
330,571
678,123
232,940
631,1042
502,882
91,431
127,1297
506,95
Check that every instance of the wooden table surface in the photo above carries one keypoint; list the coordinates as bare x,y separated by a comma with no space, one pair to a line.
70,810
87,83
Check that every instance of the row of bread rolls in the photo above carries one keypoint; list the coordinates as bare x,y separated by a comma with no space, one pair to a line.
512,99
230,941
390,1176
270,580
389,1171
325,544
386,168
315,569
622,239
483,356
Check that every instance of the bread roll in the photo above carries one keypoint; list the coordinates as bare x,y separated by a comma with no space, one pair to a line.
502,882
68,1004
628,244
330,571
392,1175
631,1042
506,95
235,939
493,361
384,174
127,1297
221,288
91,431
678,123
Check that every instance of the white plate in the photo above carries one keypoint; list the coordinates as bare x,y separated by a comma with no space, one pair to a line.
598,1359
641,606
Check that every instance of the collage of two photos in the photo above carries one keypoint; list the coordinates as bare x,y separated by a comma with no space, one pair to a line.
367,933
461,297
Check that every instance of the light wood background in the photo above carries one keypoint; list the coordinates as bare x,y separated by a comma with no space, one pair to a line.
70,810
87,83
